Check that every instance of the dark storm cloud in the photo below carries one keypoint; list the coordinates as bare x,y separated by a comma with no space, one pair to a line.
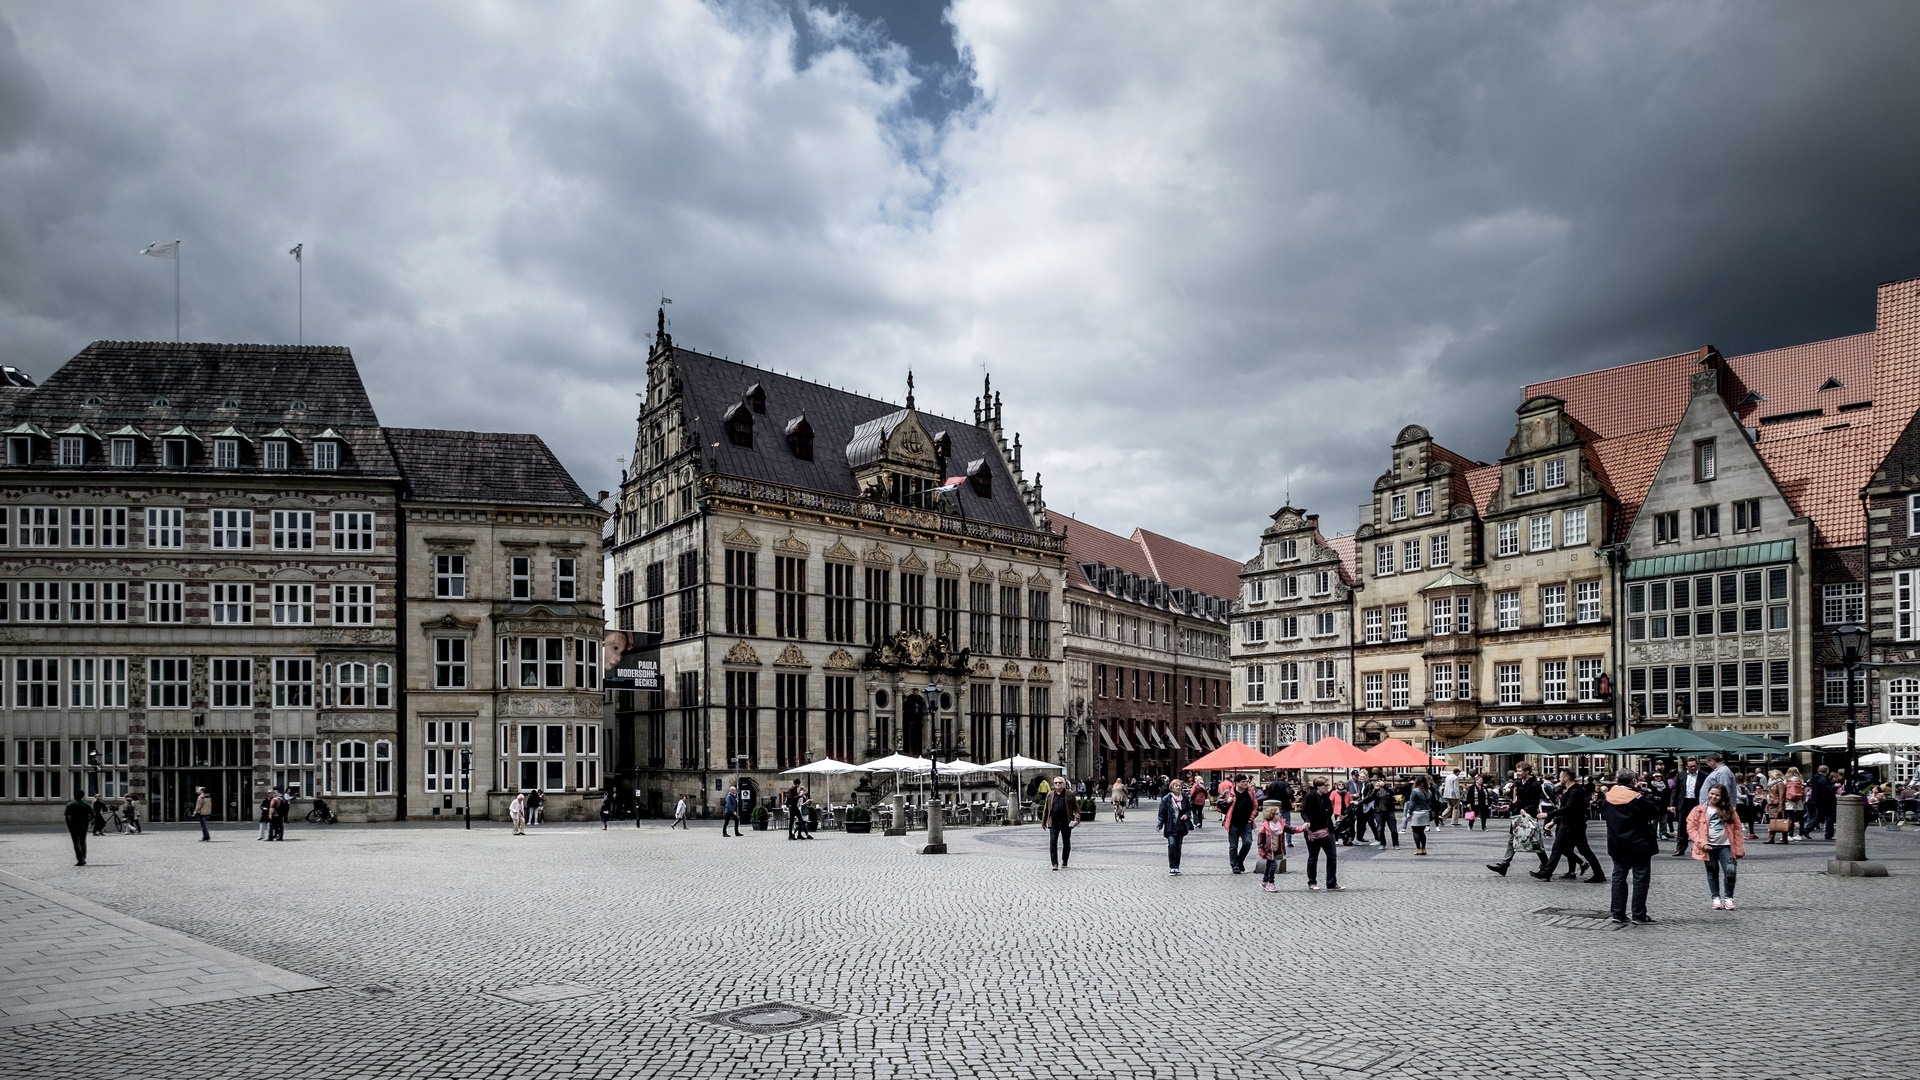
1211,253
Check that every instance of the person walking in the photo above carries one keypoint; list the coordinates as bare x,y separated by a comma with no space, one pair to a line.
1776,808
79,818
266,814
99,808
202,810
130,813
730,811
1062,814
517,810
1316,820
1822,801
1422,811
1715,831
1524,833
1174,821
1384,822
1633,818
806,813
1479,802
791,800
1450,795
680,810
536,805
1688,787
606,810
1570,832
1238,815
277,816
1119,796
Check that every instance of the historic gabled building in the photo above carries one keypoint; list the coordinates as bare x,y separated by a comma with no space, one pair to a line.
1293,645
1544,607
202,582
1145,646
1415,539
500,642
814,560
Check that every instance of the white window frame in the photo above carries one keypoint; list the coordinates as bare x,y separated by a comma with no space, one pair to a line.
1373,693
1399,690
1255,632
1506,610
292,603
1553,682
1383,560
1904,582
1540,532
1586,602
230,682
226,453
1508,538
1397,622
1325,680
450,577
1256,683
1397,506
1555,473
1423,502
293,530
83,604
1573,527
355,603
1440,682
81,530
1553,605
1440,616
586,664
1439,550
73,450
164,526
520,577
1843,602
231,603
1286,678
1289,628
122,453
352,755
113,682
326,456
274,454
1523,480
1705,465
1325,624
169,682
566,578
1410,559
113,526
352,530
113,601
1507,683
40,601
1587,670
38,527
1903,699
293,682
1373,623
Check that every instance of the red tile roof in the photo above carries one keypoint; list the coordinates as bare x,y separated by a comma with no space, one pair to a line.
1630,462
1631,397
1481,483
1821,471
1149,555
1347,547
1190,567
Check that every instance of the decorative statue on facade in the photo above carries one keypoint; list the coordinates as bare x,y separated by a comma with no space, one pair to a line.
918,650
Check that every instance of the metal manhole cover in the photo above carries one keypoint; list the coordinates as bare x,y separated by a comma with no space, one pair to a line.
769,1017
1329,1051
541,993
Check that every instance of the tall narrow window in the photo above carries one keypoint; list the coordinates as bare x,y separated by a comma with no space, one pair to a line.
656,597
520,577
790,597
1703,460
839,717
979,617
450,663
566,581
81,528
1010,620
877,606
789,719
742,714
742,592
946,606
1039,619
839,601
913,602
450,576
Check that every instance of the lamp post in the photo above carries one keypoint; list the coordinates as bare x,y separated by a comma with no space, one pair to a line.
1429,749
936,827
466,784
1850,640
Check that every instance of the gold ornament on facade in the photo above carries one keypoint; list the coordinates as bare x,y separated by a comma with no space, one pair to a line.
742,653
841,660
791,656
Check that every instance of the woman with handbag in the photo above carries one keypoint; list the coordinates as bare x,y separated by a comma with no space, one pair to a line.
1775,802
1478,801
1420,814
1714,829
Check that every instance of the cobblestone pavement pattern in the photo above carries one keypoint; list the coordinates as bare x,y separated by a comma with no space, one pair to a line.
578,953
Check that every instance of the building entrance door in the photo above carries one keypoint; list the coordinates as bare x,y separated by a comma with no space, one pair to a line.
913,719
177,766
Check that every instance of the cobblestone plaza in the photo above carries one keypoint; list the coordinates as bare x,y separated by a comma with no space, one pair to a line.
573,952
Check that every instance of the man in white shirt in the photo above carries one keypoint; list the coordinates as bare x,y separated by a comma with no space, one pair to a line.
1687,791
1450,791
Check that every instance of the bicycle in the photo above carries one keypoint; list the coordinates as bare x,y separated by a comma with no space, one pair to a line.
123,824
321,813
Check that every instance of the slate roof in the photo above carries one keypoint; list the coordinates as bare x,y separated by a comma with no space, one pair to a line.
153,387
482,466
712,387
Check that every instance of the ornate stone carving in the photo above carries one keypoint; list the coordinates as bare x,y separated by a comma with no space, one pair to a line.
791,543
791,656
917,650
1011,577
1039,673
1039,580
449,624
912,562
839,552
742,653
1011,671
841,660
543,705
358,635
983,669
946,566
878,555
741,538
980,573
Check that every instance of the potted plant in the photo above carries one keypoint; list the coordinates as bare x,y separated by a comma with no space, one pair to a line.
859,819
1086,809
759,819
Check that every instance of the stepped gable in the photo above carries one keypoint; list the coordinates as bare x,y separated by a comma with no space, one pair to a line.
713,387
482,466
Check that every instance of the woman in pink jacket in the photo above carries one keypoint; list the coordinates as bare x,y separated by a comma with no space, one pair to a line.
1714,828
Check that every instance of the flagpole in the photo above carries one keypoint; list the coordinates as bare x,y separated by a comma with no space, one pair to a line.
300,266
176,292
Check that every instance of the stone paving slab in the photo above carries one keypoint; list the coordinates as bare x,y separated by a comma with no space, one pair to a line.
982,963
63,957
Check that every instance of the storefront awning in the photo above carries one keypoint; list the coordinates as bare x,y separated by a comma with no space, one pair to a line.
1125,743
1194,741
1105,737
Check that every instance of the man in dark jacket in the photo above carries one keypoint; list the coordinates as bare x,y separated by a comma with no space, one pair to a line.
1316,817
1689,790
1632,841
1239,814
1822,801
1174,822
1526,802
1570,831
79,818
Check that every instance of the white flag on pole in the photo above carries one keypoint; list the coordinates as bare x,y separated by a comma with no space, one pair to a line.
162,249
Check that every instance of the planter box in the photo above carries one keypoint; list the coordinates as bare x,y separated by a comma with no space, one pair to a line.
859,826
760,826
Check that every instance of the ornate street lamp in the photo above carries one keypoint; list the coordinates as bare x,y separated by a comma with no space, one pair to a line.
1850,640
936,831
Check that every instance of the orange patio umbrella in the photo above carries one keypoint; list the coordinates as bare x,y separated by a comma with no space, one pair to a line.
1233,755
1331,752
1397,753
1284,759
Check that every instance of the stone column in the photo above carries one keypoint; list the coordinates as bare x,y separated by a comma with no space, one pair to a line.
1850,841
899,814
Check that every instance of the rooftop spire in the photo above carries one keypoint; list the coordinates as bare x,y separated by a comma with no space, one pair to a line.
909,388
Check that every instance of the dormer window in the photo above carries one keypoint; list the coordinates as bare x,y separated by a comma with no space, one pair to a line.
276,453
174,453
740,426
800,437
326,455
980,478
73,450
123,453
226,453
19,450
757,398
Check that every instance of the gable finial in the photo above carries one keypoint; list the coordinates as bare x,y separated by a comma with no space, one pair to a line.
909,388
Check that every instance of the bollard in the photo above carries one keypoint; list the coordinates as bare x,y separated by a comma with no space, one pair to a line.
899,827
1850,841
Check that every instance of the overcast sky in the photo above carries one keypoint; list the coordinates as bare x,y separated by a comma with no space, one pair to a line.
1211,253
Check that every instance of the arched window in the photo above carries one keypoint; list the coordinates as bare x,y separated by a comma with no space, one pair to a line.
352,686
1903,699
383,766
353,767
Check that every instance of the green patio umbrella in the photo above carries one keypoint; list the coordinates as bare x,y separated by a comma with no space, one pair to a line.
1518,743
1735,742
1575,744
1666,740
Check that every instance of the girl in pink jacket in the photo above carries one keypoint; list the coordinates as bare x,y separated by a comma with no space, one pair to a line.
1714,828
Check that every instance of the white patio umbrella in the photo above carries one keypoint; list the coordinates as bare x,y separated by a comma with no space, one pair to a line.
826,767
1870,760
899,763
1018,763
1888,736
